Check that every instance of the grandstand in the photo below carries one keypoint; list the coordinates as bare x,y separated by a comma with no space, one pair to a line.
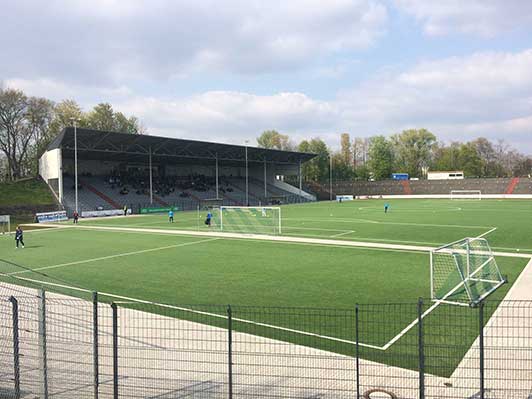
500,185
140,171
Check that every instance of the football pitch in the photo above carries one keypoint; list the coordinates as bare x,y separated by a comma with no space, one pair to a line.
141,258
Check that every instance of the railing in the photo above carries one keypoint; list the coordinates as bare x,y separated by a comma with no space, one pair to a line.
56,346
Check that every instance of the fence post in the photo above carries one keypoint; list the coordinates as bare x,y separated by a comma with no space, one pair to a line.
115,350
16,354
357,354
230,349
421,349
43,359
95,342
481,347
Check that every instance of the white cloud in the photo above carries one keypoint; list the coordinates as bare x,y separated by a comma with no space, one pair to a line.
233,116
484,18
485,94
111,42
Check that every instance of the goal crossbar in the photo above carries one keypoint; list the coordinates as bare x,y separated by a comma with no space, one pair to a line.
466,194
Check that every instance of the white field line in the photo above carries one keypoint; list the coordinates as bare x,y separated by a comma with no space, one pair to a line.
429,310
265,237
519,291
215,315
344,220
293,240
487,232
370,239
343,234
382,348
79,262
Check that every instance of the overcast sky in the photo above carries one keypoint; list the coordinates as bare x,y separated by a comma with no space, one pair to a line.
227,70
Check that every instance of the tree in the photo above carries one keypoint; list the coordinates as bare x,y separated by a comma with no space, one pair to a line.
345,149
272,139
103,117
446,157
317,169
63,114
414,150
23,122
470,161
360,152
381,157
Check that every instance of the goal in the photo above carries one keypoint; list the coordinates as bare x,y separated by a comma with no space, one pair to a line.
464,272
253,220
466,194
5,224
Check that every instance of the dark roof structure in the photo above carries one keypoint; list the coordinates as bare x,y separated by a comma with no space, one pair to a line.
103,145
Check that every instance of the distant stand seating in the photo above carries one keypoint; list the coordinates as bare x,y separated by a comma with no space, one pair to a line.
395,187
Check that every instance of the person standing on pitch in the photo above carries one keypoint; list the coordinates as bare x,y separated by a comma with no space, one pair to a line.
171,216
386,207
19,237
76,217
125,210
208,219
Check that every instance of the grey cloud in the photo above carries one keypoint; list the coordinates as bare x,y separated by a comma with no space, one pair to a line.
102,42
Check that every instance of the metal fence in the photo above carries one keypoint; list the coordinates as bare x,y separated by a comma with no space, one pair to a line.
54,346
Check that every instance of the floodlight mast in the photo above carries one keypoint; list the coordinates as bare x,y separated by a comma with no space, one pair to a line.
330,177
74,124
247,174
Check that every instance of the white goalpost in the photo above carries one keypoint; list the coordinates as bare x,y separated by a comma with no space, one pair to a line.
466,194
464,272
5,224
249,219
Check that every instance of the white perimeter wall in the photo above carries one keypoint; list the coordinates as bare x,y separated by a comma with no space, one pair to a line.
50,168
448,196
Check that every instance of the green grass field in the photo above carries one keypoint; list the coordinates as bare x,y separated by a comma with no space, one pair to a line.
180,269
415,222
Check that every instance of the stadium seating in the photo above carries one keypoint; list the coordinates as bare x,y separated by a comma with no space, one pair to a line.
87,199
185,192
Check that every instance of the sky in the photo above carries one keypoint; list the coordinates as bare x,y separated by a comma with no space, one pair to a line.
227,70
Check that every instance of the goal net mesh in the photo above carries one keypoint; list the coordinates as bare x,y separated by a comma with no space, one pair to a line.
5,224
252,220
464,272
466,194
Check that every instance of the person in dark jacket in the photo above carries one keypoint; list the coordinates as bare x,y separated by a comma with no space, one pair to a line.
19,236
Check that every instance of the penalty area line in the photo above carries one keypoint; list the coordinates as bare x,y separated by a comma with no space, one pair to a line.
80,262
343,234
486,233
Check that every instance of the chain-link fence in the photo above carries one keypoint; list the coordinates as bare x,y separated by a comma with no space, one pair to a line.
57,346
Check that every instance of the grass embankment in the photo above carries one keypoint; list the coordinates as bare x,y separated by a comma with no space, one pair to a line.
21,199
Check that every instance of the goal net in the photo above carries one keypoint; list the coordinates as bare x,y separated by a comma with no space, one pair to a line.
254,220
466,194
5,224
464,272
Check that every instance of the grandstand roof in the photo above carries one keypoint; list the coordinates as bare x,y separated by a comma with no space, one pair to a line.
104,145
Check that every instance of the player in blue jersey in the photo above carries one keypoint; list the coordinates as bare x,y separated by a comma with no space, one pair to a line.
171,216
208,219
19,236
386,207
